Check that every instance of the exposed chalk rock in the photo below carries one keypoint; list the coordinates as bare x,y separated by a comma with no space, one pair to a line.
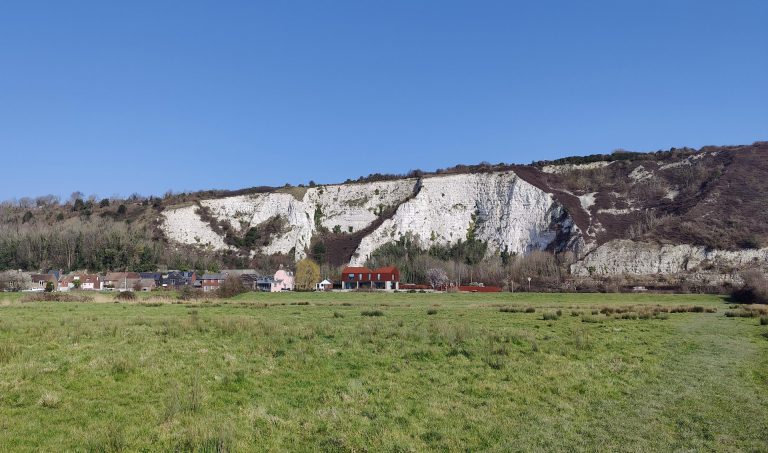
508,213
625,257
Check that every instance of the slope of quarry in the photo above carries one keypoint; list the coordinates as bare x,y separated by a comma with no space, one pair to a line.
625,257
345,207
503,209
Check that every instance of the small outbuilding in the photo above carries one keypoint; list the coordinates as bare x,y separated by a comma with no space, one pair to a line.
325,285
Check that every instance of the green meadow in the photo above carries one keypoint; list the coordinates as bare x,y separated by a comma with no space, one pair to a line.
384,372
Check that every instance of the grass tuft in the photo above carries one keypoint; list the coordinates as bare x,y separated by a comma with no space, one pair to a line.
49,400
550,316
372,313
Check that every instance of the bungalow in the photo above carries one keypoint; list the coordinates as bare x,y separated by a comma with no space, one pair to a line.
211,282
362,277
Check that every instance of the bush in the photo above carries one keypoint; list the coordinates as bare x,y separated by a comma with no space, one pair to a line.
188,293
56,297
753,291
231,287
432,311
126,295
549,316
764,320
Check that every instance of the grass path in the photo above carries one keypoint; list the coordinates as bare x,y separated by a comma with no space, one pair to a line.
704,394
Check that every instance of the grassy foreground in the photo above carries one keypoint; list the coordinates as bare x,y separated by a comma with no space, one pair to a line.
382,372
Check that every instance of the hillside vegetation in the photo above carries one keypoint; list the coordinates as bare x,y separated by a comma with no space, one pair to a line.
713,197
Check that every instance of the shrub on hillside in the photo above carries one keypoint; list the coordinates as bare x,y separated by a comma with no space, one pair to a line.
753,291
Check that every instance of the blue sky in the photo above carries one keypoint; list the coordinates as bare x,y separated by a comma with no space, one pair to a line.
147,96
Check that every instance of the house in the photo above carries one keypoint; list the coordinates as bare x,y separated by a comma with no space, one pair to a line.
325,285
265,284
250,280
14,280
40,281
361,277
177,279
212,282
156,276
122,281
145,284
86,282
283,281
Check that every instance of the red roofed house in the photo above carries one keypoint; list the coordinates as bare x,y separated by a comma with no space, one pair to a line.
88,282
361,277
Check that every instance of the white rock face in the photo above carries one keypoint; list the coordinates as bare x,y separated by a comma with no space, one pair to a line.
510,213
357,205
625,257
566,168
348,206
185,226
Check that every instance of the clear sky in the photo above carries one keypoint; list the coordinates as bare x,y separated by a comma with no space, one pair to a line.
115,97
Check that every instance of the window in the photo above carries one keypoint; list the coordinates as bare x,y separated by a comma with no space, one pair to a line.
351,276
369,277
378,277
360,277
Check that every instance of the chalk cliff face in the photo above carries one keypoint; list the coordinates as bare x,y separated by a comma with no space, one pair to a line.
624,257
503,210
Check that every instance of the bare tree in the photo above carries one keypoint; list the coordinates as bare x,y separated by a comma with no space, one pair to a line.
437,278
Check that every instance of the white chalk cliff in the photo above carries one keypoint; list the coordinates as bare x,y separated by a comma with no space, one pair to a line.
505,211
625,257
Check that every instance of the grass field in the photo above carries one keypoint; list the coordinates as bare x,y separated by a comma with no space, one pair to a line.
383,372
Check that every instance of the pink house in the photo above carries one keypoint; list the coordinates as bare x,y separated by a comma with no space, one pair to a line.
283,281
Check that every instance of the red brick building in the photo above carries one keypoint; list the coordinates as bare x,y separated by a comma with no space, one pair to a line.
361,277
